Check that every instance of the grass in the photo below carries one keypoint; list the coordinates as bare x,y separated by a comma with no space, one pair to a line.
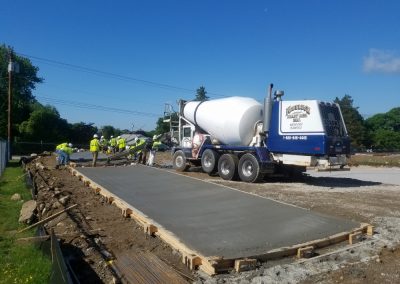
19,263
376,160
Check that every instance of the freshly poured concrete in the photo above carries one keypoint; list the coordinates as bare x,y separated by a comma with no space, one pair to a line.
86,156
212,219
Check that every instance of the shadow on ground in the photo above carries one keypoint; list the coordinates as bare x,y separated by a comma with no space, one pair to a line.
338,182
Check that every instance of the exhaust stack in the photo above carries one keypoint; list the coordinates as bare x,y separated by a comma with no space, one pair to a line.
267,110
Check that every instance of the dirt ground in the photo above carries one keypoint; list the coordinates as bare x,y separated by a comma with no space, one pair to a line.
97,226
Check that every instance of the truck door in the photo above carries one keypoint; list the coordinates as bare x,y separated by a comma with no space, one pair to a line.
187,136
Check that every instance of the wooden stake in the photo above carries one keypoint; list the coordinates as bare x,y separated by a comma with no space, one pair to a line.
46,219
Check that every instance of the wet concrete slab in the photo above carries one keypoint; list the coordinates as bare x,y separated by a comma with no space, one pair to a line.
86,156
212,219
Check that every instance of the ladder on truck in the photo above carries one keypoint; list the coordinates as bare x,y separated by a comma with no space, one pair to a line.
171,117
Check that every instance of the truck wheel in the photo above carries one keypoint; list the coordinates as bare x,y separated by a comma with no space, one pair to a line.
227,166
179,161
209,161
249,168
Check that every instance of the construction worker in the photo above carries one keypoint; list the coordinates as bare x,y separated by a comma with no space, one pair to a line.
113,144
63,150
140,149
58,149
156,143
94,148
146,149
103,144
121,144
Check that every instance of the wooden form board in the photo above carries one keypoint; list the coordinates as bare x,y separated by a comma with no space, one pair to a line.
215,264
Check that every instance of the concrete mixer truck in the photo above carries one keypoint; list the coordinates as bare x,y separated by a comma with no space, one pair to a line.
240,138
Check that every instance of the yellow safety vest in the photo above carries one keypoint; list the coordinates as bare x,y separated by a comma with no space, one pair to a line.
121,143
156,144
113,142
138,147
94,145
62,145
67,150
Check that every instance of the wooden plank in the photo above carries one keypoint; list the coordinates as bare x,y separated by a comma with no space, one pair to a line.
370,230
305,252
150,229
191,261
355,237
143,268
47,219
245,264
109,199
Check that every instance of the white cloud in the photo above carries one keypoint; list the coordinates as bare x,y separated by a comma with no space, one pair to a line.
383,61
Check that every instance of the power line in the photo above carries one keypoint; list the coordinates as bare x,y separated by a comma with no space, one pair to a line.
113,75
92,106
83,92
96,107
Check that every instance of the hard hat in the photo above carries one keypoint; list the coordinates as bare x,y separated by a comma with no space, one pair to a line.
112,136
95,136
70,145
135,139
102,136
155,137
119,137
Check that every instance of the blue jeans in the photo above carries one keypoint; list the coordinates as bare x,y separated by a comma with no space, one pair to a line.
63,158
58,158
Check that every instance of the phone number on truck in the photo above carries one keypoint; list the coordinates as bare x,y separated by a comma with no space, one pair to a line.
294,137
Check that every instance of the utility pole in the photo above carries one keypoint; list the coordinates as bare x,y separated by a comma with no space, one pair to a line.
12,67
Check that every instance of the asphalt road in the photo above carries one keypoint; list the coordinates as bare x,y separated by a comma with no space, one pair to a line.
364,173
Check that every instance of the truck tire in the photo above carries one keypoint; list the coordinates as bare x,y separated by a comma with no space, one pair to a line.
249,168
228,167
209,161
179,161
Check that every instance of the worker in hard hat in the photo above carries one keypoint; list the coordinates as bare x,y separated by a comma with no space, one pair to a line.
137,149
67,150
64,150
121,142
58,149
154,147
113,144
146,150
95,148
103,144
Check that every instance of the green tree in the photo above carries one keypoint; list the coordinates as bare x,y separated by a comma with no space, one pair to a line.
353,120
108,130
22,85
164,126
384,130
388,121
44,124
386,140
81,133
161,126
201,94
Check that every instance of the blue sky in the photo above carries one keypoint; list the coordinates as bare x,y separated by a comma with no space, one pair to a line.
310,49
